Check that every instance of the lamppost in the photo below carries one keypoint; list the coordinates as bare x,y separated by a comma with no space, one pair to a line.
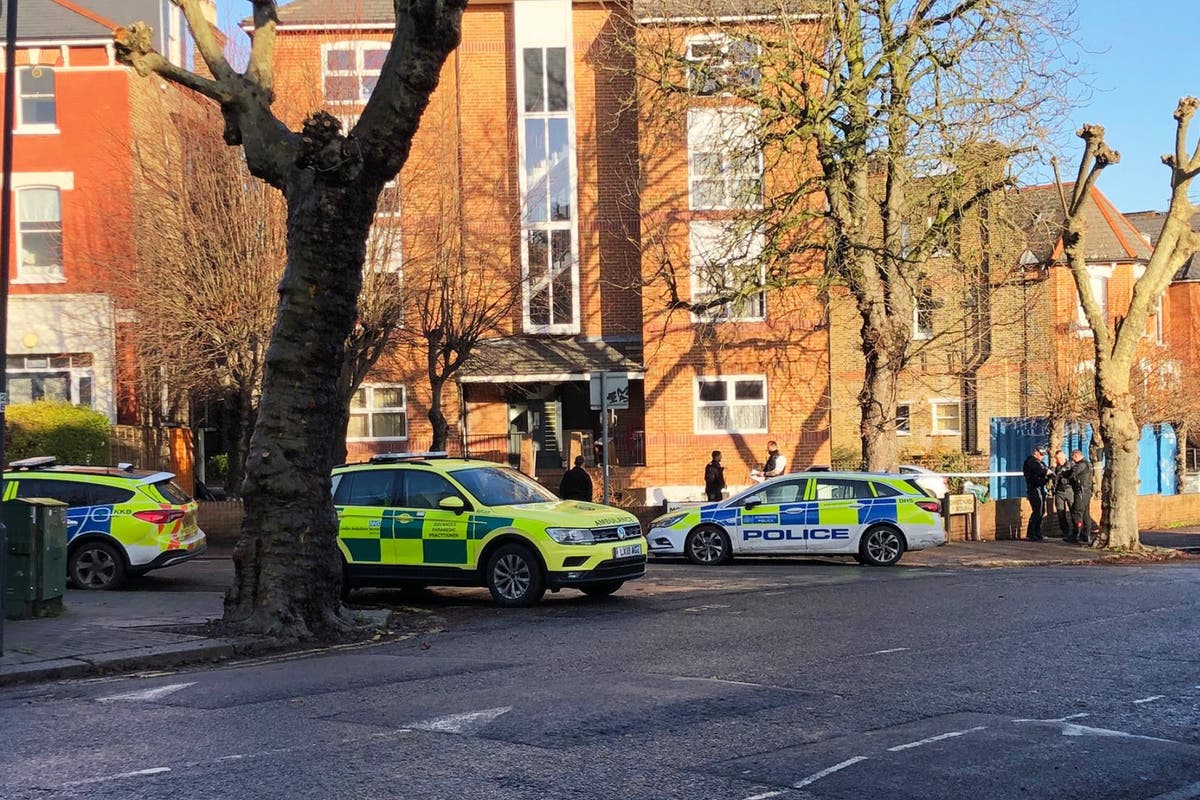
6,165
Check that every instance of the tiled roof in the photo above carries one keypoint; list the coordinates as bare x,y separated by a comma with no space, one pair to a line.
63,20
336,12
519,359
1150,223
710,9
1110,236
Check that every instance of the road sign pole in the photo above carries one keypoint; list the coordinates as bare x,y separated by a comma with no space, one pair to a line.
6,165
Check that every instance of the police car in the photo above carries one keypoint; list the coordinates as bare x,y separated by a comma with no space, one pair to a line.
874,517
422,519
120,521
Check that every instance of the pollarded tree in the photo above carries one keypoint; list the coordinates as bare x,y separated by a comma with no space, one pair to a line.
1116,346
884,126
287,566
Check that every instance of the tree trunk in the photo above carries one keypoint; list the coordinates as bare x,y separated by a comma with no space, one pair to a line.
1121,434
287,565
877,407
441,428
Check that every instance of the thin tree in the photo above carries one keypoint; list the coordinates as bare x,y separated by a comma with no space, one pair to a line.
883,126
287,566
1116,345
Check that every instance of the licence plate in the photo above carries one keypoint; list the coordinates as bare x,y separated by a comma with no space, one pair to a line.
626,550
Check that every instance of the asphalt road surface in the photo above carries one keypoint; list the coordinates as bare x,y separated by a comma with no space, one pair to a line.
790,679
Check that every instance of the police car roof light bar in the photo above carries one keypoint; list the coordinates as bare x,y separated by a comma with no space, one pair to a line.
386,458
37,462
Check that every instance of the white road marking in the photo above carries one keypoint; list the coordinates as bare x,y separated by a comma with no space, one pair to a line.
1071,729
157,693
1060,719
1182,793
763,796
816,776
1149,699
885,652
120,776
738,683
932,739
706,608
461,723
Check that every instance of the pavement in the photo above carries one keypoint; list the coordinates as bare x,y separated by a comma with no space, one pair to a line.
128,631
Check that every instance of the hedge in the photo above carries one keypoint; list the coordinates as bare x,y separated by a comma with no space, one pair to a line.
72,434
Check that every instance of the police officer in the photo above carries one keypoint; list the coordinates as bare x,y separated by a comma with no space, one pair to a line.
1064,495
1035,490
1081,507
774,465
714,478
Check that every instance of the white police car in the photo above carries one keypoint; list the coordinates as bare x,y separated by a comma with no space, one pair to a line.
874,517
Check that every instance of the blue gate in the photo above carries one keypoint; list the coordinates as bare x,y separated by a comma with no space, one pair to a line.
1156,460
1013,439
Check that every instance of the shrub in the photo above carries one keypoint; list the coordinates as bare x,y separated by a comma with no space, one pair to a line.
72,434
846,458
217,468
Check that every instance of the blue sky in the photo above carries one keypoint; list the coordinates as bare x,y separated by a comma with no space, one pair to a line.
1141,57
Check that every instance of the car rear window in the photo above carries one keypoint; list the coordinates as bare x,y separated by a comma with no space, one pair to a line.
883,490
109,495
172,493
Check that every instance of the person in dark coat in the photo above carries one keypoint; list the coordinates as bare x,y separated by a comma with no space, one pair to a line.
576,483
1064,495
714,478
1035,489
1081,507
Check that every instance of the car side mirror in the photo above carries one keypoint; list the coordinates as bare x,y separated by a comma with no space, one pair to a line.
452,503
752,501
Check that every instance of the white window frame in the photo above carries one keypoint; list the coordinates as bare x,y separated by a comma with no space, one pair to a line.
39,365
35,127
728,131
359,72
722,68
369,410
708,240
934,422
922,301
1099,276
37,274
730,402
907,430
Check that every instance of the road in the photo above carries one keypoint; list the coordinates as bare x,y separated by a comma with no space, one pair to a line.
791,679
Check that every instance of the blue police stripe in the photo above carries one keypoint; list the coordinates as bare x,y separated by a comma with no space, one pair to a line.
807,513
878,509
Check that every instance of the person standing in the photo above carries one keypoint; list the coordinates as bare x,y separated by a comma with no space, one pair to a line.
1035,489
1064,496
714,478
773,466
1081,506
576,483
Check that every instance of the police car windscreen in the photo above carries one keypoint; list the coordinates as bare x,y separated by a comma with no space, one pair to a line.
495,486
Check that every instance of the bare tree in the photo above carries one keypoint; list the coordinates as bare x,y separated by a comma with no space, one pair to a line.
882,127
287,565
1116,346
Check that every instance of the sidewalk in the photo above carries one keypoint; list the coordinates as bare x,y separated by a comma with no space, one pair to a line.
122,631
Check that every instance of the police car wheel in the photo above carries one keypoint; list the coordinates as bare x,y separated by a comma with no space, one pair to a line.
881,546
96,565
708,546
514,577
601,589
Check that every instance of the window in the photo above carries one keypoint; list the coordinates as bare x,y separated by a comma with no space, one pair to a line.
350,71
1158,320
842,489
725,162
784,492
423,489
36,106
39,235
1098,278
73,493
734,404
548,219
725,263
372,487
109,495
67,378
719,63
903,420
923,314
883,490
378,412
947,417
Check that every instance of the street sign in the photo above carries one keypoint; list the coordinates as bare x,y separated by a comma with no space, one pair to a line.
616,387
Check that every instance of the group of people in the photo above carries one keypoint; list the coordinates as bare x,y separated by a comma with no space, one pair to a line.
1068,482
714,471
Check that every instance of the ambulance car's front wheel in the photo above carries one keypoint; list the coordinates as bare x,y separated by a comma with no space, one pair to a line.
514,577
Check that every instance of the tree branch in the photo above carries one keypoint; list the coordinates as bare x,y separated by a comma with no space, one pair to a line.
133,48
206,42
262,45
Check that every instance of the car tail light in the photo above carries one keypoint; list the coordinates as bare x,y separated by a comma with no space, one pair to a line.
929,505
159,516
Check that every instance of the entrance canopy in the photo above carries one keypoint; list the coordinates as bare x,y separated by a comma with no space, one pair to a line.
527,360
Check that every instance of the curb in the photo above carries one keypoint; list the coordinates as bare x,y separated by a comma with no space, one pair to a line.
122,661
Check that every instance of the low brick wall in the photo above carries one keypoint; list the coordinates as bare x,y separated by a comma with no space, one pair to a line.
1006,519
221,520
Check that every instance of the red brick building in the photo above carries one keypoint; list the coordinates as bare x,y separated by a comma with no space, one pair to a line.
79,117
